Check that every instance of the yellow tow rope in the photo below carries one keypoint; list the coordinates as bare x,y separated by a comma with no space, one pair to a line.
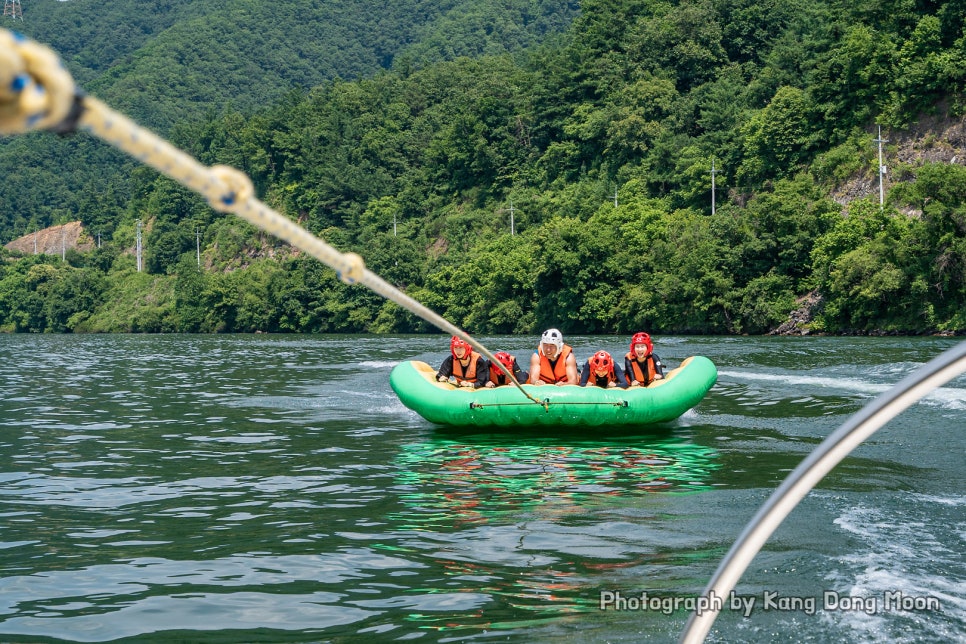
38,93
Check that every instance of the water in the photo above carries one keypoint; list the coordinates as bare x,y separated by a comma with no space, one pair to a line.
272,488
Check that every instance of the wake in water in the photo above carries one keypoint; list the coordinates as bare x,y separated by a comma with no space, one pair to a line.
946,397
893,579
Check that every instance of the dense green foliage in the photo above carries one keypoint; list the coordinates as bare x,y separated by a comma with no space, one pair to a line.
164,63
601,143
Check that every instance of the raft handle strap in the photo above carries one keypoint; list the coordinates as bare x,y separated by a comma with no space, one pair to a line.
547,403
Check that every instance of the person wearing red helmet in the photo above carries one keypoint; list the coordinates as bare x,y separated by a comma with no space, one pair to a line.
641,365
465,366
498,378
601,371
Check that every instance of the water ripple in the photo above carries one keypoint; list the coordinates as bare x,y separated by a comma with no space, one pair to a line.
256,488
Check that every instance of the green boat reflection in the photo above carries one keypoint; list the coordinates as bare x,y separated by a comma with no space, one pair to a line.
449,481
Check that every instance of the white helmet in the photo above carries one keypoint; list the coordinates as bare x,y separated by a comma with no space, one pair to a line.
552,336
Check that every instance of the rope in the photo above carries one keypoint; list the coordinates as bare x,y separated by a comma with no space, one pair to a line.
547,402
36,92
617,403
544,403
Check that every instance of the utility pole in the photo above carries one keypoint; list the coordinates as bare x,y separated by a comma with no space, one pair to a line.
615,196
13,9
198,246
394,223
714,171
63,243
98,239
36,234
513,230
882,168
137,246
513,227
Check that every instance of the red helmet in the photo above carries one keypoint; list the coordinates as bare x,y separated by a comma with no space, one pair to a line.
601,361
459,342
505,359
642,338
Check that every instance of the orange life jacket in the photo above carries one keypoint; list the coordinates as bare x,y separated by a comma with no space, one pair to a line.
497,377
643,376
592,376
558,371
470,369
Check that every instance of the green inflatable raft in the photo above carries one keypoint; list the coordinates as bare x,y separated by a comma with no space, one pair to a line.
445,404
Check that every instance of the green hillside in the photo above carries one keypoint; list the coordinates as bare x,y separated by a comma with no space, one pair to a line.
162,61
603,142
165,63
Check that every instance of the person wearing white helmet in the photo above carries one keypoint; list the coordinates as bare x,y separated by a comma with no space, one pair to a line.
553,362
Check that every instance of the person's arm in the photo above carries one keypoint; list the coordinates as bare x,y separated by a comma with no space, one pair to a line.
621,380
658,367
490,382
571,364
521,376
445,369
535,369
584,374
482,372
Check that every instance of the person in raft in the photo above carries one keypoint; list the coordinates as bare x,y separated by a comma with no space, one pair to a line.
553,362
600,371
498,378
641,366
469,368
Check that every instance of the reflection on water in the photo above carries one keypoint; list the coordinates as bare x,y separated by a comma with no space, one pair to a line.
451,482
483,505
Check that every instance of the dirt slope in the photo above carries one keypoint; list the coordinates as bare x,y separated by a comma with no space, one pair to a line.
53,240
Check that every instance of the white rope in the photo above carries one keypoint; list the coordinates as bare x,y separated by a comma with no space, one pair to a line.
36,92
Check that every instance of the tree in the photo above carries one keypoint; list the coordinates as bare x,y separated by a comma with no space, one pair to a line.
72,297
849,83
779,139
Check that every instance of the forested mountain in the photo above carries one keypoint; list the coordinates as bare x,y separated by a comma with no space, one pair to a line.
160,61
602,142
163,63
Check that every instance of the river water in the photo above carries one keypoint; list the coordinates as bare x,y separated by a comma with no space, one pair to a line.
272,488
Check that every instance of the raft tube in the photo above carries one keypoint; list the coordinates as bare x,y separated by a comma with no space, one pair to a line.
445,404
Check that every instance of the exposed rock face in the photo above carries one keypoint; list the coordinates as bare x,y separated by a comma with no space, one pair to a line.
798,320
932,139
53,240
